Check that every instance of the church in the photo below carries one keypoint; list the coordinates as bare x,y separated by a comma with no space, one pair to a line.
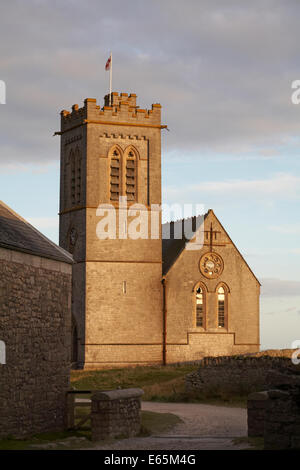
156,299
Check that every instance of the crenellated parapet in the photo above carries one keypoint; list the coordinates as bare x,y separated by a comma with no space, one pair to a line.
122,111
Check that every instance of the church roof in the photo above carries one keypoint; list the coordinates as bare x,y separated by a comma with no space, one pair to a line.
171,246
17,234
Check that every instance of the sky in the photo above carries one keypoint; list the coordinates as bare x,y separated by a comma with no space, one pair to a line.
222,71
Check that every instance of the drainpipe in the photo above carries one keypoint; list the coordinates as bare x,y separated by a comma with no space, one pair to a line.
164,323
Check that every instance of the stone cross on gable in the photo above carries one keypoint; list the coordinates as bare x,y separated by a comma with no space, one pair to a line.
212,235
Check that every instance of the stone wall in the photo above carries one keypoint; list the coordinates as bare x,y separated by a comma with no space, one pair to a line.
241,374
282,421
116,413
35,324
256,412
275,415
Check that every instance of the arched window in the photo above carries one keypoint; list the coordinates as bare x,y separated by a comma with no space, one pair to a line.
222,307
75,162
67,178
115,175
78,176
131,175
200,307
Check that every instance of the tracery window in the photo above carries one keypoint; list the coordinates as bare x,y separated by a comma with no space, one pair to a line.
78,177
222,307
200,306
115,175
75,162
130,175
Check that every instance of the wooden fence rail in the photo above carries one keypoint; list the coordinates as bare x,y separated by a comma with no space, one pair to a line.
72,404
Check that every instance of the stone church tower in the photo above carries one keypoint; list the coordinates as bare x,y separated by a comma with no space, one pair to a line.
148,300
117,294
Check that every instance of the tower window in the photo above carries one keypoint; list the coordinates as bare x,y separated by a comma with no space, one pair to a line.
78,178
75,159
115,175
73,178
130,176
200,307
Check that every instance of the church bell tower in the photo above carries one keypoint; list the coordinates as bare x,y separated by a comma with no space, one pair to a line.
111,159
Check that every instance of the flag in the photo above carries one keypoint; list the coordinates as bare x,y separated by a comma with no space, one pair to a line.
108,63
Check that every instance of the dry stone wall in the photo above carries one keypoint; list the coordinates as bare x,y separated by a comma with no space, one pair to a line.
241,374
275,416
35,325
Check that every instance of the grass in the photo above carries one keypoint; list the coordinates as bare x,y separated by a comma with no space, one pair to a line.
160,383
151,423
255,443
44,439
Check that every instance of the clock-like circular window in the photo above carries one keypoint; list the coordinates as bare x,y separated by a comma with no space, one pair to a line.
211,265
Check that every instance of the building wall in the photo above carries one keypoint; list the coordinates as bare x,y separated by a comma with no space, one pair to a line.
123,323
185,341
35,324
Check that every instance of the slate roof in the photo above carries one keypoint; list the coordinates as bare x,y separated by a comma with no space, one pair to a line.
17,234
171,246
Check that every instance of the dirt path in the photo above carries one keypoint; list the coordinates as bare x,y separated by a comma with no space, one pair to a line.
204,427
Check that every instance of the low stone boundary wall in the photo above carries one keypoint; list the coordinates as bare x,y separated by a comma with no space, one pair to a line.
116,413
275,415
241,374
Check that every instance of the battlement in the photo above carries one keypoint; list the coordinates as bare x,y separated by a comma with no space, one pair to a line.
123,110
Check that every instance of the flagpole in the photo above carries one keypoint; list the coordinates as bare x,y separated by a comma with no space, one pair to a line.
110,79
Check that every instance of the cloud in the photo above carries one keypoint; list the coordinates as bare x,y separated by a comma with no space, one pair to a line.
44,223
283,186
221,70
286,229
279,288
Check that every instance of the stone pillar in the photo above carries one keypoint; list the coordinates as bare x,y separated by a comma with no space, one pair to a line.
116,413
256,407
282,420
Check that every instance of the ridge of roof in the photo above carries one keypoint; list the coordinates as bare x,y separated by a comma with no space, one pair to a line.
18,234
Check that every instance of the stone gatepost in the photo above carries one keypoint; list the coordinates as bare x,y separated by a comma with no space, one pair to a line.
256,406
282,420
116,413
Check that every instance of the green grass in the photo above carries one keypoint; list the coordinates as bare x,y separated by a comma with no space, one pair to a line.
44,439
151,423
160,383
256,443
139,376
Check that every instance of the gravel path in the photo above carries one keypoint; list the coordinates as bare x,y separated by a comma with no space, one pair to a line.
204,427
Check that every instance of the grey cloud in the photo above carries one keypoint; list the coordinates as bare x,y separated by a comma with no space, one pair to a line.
279,288
222,71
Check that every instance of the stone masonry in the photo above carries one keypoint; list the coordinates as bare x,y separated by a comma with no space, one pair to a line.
241,374
256,413
275,416
116,413
35,325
